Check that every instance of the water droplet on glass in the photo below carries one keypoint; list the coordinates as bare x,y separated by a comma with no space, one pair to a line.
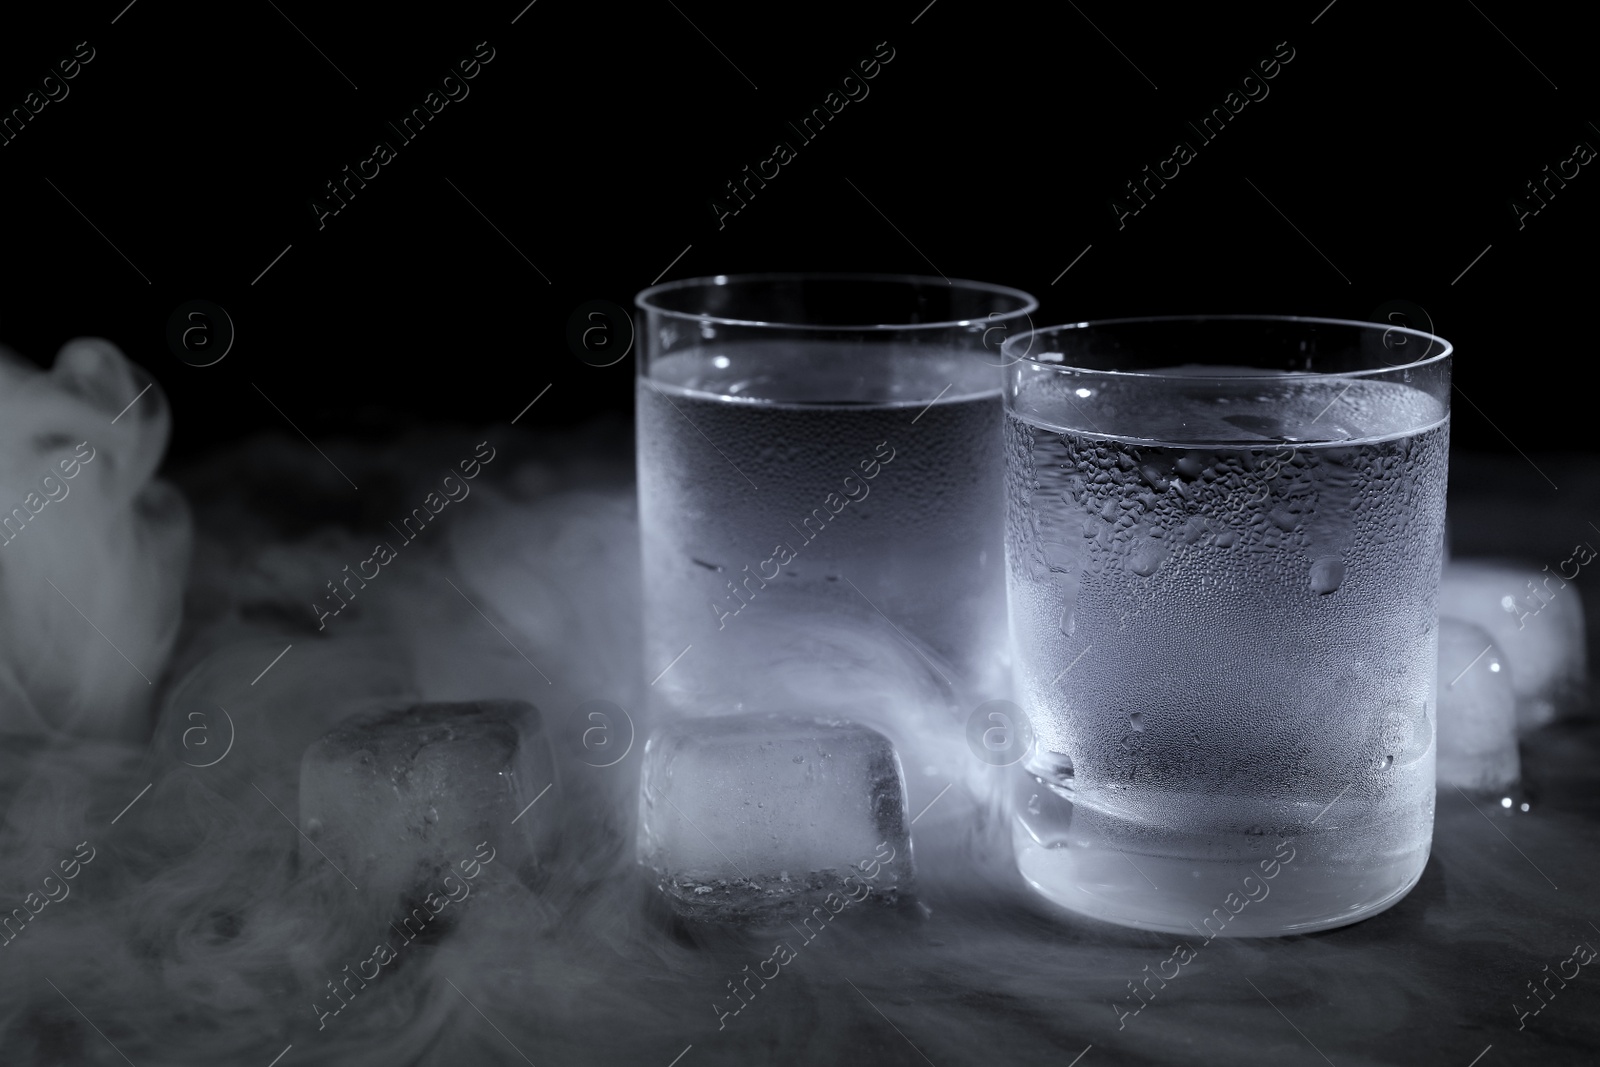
1136,720
1033,804
432,816
1326,574
1405,735
1144,560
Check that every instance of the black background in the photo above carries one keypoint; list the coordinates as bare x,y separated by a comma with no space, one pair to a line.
990,147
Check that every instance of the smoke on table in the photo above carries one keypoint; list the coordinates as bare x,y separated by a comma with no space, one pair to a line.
156,909
195,934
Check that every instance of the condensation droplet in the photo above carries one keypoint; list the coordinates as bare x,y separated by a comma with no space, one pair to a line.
1327,573
1136,720
1144,560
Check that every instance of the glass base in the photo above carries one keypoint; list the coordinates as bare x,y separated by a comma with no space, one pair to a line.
1203,885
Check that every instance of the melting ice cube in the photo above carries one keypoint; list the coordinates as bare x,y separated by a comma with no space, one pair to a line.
93,550
762,815
396,799
1477,720
1534,619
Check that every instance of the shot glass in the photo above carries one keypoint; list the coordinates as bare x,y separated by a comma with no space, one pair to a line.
819,461
1224,538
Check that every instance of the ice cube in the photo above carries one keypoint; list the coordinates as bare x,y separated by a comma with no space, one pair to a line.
93,549
1477,718
1534,619
758,816
395,800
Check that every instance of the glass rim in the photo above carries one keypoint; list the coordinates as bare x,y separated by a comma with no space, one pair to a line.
1030,336
647,299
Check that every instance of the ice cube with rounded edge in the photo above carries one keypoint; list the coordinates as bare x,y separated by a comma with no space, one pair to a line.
765,816
1535,620
397,799
89,533
1477,716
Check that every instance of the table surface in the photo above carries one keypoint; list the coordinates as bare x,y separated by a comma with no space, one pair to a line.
197,938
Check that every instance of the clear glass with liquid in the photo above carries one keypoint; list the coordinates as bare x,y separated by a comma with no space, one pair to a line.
819,459
1224,539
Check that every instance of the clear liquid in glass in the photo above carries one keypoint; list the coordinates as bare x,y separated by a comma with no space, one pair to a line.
794,493
1227,653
